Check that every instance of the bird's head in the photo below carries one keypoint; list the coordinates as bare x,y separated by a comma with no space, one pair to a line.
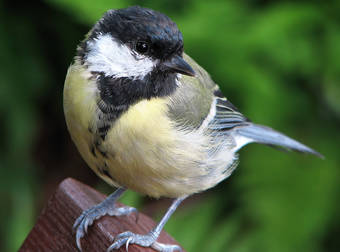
134,43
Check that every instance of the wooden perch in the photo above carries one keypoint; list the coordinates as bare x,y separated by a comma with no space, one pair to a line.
53,229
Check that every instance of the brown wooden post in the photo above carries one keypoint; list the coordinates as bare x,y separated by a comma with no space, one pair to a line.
53,229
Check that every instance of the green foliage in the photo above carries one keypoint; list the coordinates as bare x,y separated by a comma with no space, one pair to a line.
86,11
277,61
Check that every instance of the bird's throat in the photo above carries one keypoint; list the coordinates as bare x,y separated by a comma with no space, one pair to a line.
118,94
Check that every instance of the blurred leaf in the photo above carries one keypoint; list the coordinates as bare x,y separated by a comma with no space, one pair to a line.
278,61
87,11
191,228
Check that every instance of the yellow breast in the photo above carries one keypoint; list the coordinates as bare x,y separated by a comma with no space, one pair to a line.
144,150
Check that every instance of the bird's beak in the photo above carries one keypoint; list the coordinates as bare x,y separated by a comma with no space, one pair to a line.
179,65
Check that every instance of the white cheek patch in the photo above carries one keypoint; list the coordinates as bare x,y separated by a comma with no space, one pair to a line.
116,59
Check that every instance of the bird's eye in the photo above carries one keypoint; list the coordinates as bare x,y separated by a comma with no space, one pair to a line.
142,47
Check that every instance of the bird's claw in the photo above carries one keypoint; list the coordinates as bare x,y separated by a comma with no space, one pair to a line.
81,224
88,216
148,240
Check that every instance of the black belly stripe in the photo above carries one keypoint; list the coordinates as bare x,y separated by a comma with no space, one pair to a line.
107,174
93,150
102,131
96,148
104,171
103,153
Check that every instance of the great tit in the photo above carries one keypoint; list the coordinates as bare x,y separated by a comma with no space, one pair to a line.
147,117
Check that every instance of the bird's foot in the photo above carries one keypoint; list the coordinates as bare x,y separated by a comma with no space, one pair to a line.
88,216
148,240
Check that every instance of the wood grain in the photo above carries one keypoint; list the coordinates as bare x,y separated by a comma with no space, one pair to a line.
53,229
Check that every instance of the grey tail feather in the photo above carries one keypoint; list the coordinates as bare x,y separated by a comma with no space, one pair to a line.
266,135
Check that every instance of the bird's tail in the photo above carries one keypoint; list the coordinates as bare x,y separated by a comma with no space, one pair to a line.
265,135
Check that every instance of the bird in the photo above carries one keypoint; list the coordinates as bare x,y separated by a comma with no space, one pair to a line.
146,117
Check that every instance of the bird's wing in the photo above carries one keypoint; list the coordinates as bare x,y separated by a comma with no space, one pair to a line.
227,116
198,102
229,120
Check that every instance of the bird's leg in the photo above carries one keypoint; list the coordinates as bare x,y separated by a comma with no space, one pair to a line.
106,207
148,240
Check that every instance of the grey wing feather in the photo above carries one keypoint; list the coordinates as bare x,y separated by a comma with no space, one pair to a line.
231,121
227,116
266,135
192,104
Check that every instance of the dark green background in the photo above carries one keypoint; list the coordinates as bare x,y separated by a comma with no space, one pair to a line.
278,61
